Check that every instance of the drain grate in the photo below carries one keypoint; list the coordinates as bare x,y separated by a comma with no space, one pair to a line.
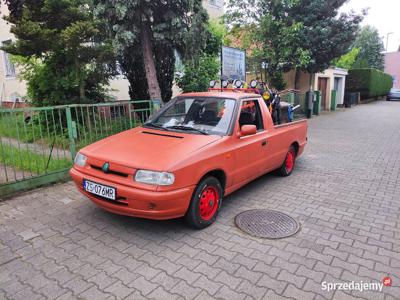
268,224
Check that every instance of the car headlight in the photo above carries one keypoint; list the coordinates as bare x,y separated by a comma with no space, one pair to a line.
80,160
155,178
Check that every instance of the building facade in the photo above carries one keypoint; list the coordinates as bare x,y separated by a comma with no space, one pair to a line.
331,79
392,67
215,8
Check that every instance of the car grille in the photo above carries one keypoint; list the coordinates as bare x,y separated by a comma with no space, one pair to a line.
110,171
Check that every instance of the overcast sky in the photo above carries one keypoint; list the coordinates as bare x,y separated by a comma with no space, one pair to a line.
382,14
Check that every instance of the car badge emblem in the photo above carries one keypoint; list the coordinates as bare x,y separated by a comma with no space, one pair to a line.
106,168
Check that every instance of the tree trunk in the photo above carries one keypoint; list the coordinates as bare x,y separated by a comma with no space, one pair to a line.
297,79
312,77
82,90
310,100
149,65
81,80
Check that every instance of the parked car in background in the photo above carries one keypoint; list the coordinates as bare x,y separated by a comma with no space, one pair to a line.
197,149
394,94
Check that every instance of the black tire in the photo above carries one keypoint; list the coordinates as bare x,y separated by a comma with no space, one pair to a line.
284,170
208,187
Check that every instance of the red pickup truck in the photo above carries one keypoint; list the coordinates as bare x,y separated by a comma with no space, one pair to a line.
197,149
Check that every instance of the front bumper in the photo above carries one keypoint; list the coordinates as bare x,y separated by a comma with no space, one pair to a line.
137,202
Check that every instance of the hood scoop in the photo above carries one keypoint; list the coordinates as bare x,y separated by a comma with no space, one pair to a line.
160,134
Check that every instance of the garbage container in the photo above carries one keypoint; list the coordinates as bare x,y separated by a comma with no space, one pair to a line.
309,103
347,100
317,103
333,100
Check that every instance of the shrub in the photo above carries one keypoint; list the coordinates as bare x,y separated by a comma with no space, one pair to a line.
370,83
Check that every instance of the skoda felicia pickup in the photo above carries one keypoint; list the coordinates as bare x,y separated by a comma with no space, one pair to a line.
199,148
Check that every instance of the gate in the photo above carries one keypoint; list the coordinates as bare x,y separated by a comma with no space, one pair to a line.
38,144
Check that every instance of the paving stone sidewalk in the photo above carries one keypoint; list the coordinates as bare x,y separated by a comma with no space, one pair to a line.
55,244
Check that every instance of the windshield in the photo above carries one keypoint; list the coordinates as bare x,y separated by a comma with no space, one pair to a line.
196,115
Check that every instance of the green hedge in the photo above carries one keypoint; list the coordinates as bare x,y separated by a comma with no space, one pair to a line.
370,83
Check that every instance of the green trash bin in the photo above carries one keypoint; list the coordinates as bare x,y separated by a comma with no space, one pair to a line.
333,100
317,103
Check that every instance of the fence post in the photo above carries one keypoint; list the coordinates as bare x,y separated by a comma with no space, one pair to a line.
71,135
151,106
291,98
130,115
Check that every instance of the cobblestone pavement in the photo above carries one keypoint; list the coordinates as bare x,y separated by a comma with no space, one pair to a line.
345,192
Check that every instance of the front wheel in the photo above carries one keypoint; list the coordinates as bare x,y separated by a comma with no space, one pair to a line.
288,165
205,203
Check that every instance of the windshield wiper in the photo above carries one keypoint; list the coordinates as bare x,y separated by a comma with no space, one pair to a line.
187,128
155,126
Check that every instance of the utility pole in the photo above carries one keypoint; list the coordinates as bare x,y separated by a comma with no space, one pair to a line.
387,40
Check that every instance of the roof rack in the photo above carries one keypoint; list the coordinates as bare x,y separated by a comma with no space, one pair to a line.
240,90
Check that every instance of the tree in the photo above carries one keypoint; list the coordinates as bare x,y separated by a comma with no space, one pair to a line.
347,60
133,67
64,55
196,76
305,35
371,49
199,71
146,33
245,37
15,7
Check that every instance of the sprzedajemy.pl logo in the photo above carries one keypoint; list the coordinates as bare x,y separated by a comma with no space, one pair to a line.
356,286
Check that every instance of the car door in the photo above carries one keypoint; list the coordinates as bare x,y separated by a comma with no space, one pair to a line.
249,150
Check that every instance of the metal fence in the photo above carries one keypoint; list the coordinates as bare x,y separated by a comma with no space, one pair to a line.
38,144
351,99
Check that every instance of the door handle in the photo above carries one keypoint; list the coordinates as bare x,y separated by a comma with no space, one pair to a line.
264,143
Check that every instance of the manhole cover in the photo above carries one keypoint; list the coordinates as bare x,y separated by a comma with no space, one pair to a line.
268,224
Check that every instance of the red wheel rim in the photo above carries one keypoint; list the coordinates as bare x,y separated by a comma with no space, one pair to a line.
208,204
291,156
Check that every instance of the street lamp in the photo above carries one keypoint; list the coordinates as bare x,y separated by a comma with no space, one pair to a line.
387,40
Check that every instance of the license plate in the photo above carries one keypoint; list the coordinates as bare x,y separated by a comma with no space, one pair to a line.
99,189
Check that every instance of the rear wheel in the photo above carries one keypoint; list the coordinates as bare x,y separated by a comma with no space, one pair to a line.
288,165
205,203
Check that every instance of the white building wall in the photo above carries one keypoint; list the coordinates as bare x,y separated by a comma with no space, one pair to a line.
11,87
119,88
215,8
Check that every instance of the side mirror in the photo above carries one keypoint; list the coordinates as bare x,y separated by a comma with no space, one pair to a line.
248,130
